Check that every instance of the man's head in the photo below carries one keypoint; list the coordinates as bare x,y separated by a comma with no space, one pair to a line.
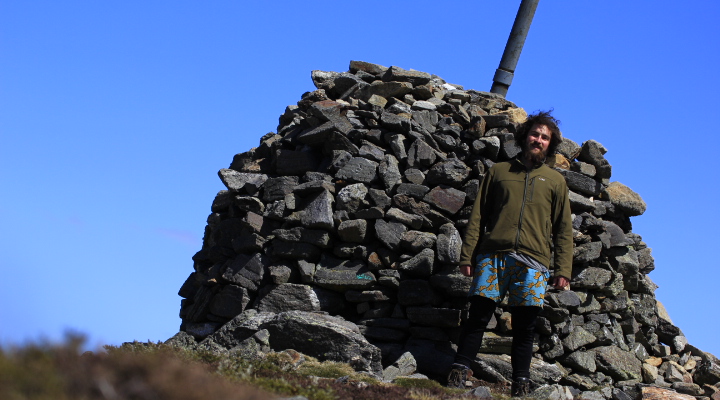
539,136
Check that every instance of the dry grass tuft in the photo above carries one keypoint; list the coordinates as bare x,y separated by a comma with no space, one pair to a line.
151,371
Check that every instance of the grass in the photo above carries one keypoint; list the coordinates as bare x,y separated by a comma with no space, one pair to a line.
155,371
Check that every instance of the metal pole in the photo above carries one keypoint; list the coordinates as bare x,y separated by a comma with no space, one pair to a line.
505,72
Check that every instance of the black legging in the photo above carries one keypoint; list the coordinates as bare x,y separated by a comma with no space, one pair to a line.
523,329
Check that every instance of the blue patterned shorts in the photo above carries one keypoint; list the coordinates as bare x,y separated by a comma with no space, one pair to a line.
497,274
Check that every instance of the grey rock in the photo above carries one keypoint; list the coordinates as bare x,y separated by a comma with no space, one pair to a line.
294,250
446,199
620,365
689,388
450,172
337,142
587,252
389,171
371,152
342,275
509,148
314,186
625,199
404,366
540,371
276,188
373,69
415,292
591,278
430,316
565,299
389,233
287,297
230,301
583,168
380,198
578,338
396,122
451,282
569,149
401,75
316,237
552,348
420,265
707,372
201,330
251,243
182,340
583,361
414,175
590,395
580,203
412,190
449,244
416,241
246,271
420,154
480,392
318,213
354,230
242,181
332,339
358,169
397,145
289,162
281,273
384,89
582,184
411,220
236,330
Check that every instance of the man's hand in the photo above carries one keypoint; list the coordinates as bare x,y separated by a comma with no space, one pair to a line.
466,270
561,283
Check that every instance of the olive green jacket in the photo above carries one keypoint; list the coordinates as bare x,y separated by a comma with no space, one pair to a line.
524,211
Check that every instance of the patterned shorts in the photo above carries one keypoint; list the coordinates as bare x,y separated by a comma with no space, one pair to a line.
497,274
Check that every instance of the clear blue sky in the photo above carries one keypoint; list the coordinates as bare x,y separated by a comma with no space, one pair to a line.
115,117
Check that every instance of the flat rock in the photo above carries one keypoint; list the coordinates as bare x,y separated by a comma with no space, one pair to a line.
331,339
624,198
287,297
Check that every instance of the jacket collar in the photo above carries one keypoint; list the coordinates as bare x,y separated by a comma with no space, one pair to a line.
518,160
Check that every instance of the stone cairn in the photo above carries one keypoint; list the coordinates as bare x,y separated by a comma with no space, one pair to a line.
339,236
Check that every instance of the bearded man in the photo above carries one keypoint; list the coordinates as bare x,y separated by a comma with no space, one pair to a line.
521,208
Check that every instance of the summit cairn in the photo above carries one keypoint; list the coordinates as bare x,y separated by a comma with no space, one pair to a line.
339,237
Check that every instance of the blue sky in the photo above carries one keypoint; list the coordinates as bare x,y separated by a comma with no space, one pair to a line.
116,116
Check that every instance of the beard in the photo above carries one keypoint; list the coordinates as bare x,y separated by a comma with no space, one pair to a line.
535,157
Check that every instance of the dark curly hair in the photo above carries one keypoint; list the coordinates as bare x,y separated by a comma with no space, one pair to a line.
542,118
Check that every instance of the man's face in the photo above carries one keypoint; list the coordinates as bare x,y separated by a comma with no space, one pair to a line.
538,141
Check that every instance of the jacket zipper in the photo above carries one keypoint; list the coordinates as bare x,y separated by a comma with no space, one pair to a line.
522,210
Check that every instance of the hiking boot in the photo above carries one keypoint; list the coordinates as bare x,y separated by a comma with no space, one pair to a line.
520,387
458,375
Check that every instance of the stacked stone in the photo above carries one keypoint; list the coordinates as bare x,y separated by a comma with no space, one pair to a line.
354,208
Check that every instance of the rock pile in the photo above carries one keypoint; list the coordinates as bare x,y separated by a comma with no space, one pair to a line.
339,236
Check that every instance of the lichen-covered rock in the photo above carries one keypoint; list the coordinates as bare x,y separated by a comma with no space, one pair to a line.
323,337
621,365
623,197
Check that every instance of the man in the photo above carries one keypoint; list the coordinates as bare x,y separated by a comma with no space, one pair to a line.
522,206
